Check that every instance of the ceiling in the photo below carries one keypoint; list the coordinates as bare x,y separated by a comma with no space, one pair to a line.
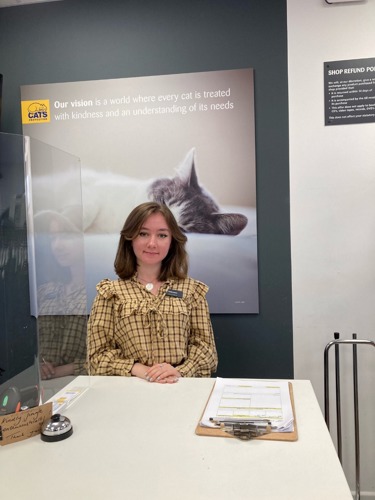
13,3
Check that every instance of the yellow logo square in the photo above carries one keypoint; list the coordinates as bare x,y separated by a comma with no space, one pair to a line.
37,111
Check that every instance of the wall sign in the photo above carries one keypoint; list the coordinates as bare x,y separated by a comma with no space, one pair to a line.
349,91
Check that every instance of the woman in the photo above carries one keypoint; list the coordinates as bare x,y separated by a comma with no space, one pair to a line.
153,322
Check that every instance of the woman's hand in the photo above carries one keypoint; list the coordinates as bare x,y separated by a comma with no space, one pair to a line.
162,373
48,370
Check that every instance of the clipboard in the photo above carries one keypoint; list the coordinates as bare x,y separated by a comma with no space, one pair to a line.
200,430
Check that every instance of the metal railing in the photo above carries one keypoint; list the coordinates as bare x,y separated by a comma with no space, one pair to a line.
355,343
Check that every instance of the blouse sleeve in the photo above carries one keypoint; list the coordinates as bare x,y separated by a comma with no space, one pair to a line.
202,358
104,358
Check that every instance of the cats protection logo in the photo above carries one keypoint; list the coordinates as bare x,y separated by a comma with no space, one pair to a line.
35,112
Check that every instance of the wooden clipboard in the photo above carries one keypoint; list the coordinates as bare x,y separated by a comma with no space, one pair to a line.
273,436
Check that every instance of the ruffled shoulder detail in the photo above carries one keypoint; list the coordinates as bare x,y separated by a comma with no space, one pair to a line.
106,288
195,291
200,289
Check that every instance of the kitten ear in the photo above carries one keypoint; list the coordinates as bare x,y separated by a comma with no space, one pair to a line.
230,224
186,170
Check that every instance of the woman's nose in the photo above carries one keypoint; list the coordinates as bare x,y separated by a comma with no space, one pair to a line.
152,241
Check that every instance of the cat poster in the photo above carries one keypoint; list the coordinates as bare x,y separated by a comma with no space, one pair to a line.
187,140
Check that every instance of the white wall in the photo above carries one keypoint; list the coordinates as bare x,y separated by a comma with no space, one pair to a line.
332,190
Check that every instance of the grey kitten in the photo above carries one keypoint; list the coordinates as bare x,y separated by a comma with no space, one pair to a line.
108,198
195,210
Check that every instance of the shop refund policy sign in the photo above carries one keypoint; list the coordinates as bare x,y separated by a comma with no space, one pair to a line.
349,91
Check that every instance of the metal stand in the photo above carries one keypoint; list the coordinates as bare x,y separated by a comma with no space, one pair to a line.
355,342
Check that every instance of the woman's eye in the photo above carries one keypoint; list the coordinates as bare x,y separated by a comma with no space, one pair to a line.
162,235
142,233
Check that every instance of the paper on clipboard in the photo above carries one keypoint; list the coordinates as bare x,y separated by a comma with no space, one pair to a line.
250,400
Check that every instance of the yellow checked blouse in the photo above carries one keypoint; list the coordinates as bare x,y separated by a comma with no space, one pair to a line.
128,324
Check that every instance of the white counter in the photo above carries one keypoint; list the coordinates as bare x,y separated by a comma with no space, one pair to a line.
136,440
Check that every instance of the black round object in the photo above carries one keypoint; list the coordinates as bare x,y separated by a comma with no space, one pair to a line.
56,428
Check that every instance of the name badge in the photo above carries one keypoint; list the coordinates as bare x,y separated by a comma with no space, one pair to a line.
174,293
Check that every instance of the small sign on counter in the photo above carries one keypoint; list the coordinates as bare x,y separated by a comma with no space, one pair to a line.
23,424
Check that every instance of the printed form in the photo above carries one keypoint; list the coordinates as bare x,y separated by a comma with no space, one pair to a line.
241,400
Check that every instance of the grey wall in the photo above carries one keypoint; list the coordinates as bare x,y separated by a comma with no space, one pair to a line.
75,40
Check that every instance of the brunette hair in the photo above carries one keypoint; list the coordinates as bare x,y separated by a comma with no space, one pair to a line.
175,264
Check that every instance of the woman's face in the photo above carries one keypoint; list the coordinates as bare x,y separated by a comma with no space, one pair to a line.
67,247
152,244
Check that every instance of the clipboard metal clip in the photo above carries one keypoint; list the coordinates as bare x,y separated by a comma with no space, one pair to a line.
246,430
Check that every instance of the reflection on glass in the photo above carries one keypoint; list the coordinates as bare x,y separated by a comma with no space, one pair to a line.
58,277
62,296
